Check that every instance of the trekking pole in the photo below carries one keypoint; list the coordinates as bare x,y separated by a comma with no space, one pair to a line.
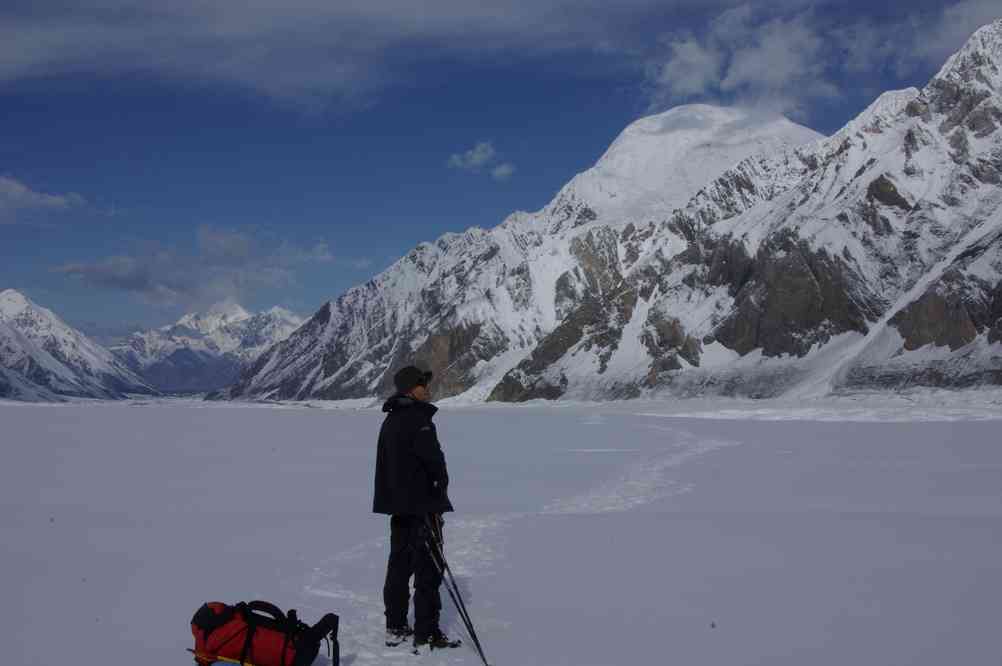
438,558
436,549
439,550
452,595
457,599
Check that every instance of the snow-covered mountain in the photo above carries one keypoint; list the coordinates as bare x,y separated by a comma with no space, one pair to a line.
709,250
42,358
205,351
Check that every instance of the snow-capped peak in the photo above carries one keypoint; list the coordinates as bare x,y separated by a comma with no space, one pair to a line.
659,162
218,316
204,351
13,303
707,249
281,313
228,309
980,59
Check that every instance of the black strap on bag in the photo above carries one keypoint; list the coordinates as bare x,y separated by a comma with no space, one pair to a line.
208,621
252,612
268,609
327,629
251,628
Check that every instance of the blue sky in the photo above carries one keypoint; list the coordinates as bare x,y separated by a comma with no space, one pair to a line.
155,159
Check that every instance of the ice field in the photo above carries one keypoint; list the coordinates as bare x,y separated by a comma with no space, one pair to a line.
854,531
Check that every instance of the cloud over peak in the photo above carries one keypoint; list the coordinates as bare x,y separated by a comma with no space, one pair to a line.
318,53
747,54
787,58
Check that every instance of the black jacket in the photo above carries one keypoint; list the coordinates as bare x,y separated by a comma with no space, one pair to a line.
411,477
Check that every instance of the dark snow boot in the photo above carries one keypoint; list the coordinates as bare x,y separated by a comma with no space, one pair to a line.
435,641
397,635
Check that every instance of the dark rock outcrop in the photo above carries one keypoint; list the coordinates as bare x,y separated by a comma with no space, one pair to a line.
795,298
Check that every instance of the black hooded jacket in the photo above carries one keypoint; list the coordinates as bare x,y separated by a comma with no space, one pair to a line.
411,477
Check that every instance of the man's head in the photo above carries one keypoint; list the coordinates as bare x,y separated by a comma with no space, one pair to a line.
413,381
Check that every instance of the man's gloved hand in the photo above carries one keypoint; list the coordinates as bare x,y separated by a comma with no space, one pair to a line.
437,521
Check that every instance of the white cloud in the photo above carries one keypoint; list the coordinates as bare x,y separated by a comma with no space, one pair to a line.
224,246
227,264
316,52
931,38
735,23
482,157
778,61
292,254
312,51
503,171
473,159
692,68
17,200
785,59
783,52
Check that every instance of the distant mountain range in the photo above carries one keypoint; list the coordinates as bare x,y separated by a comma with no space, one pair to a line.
43,358
204,352
709,250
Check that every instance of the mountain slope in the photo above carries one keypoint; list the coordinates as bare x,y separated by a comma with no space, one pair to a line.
709,250
792,255
43,357
471,305
204,351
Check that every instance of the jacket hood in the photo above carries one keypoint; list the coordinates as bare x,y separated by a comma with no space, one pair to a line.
398,401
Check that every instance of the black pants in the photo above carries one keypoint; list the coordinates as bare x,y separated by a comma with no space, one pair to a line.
410,556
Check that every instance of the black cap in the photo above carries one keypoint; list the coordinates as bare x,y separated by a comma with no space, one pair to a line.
409,377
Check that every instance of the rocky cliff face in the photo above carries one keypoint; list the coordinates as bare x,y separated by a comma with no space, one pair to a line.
709,250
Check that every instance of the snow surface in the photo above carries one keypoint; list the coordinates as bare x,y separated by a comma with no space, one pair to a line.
858,530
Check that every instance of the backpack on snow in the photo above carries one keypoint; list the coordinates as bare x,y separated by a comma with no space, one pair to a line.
258,633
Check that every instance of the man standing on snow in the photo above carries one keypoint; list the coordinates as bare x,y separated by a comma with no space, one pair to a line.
412,488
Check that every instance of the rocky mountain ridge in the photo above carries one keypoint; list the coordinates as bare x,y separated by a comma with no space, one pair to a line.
204,351
709,251
802,264
472,304
43,358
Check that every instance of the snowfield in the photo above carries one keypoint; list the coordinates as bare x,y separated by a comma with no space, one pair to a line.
854,530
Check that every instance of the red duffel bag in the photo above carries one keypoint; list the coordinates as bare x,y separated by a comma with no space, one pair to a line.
257,633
